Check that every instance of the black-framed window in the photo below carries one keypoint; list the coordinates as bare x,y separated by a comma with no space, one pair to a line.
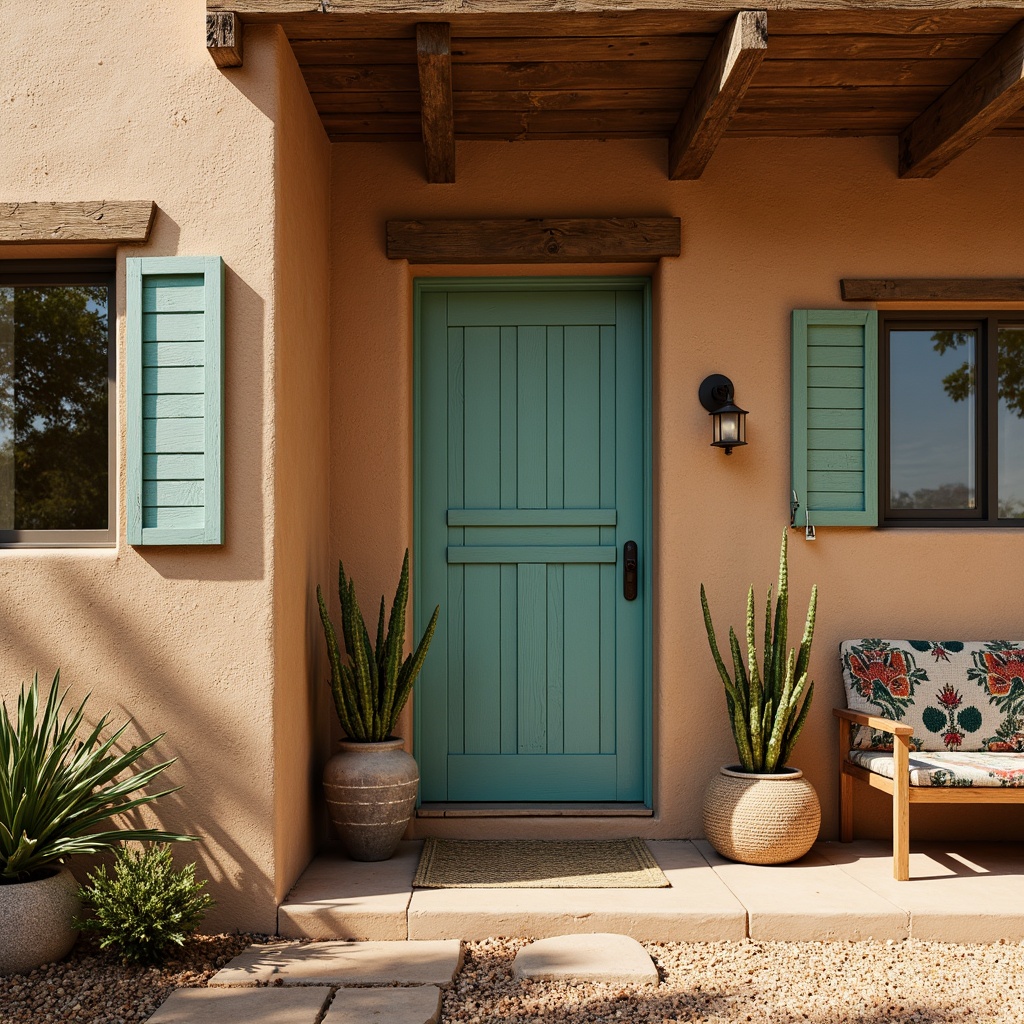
57,426
951,416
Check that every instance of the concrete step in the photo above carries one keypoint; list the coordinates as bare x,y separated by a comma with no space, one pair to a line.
615,959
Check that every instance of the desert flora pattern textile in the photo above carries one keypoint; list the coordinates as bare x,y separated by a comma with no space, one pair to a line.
949,768
956,695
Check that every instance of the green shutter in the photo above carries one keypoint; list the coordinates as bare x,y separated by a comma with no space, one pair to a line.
175,400
835,416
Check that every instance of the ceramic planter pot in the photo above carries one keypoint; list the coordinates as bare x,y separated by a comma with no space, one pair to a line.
35,921
371,793
761,819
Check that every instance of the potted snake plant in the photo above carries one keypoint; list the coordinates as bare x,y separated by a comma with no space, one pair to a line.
60,785
762,810
370,784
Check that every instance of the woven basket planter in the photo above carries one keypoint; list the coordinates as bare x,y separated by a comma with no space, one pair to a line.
761,819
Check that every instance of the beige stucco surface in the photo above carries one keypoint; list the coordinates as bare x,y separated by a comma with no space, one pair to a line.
771,226
124,102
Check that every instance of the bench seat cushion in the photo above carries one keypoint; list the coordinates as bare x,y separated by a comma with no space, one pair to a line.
956,695
949,768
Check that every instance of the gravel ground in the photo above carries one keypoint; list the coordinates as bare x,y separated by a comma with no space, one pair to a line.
713,983
761,983
92,986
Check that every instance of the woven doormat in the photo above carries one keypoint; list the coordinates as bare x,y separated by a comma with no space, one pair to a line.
537,864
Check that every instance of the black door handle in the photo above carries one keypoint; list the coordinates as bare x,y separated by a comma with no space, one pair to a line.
630,572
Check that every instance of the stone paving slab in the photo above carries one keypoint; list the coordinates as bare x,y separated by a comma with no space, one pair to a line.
338,898
697,908
420,1005
808,901
962,892
248,1006
344,963
616,959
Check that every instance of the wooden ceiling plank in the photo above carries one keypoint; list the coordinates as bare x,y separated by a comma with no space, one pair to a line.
576,240
434,63
736,55
100,221
984,96
224,39
933,289
872,47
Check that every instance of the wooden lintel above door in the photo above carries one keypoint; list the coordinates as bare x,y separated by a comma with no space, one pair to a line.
565,240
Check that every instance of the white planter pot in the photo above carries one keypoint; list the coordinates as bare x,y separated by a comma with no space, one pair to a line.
761,819
35,921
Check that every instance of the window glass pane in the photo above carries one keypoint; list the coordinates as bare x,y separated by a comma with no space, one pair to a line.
932,419
53,407
1011,421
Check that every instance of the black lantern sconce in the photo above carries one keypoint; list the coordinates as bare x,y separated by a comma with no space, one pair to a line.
728,420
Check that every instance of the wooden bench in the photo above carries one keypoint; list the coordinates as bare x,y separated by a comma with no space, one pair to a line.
954,728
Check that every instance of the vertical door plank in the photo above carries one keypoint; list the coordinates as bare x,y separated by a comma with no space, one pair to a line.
611,576
509,660
456,659
556,660
532,402
509,441
483,417
456,417
431,579
607,416
532,645
483,660
582,660
629,464
556,416
582,417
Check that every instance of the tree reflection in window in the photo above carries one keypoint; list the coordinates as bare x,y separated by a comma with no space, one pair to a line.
53,407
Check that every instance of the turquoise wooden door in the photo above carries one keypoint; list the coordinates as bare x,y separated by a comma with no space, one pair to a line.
531,477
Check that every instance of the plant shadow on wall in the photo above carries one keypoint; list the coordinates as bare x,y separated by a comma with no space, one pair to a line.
61,784
763,811
370,690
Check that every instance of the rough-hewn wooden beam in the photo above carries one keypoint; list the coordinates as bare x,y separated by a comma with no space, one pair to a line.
933,289
599,240
101,221
440,8
721,85
986,94
224,38
437,115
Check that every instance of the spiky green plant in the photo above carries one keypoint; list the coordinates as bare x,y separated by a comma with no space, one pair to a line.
372,688
768,704
55,789
146,906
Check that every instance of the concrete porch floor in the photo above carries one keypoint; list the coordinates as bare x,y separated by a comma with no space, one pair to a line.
962,892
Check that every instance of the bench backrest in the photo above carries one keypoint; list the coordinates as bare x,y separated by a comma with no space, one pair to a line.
955,694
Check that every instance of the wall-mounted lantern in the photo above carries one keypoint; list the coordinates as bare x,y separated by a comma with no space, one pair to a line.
728,420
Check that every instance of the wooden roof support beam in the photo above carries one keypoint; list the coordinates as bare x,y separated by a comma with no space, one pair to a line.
437,112
932,289
983,96
721,85
224,39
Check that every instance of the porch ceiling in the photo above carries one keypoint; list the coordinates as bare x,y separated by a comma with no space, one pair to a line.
604,70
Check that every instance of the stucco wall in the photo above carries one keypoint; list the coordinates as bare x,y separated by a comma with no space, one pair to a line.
122,101
301,706
771,226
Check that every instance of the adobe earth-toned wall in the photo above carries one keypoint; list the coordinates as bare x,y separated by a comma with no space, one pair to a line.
122,101
771,226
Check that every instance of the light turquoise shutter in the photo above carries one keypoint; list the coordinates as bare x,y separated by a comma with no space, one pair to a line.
175,400
835,416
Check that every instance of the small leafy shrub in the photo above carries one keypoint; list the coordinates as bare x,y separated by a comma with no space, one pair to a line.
146,905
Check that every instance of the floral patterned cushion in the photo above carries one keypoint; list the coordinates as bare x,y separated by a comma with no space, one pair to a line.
956,695
949,768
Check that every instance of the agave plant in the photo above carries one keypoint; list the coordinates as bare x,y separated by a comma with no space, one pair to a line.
768,703
57,789
372,688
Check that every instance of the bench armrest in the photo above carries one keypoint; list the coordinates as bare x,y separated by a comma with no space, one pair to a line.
873,722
